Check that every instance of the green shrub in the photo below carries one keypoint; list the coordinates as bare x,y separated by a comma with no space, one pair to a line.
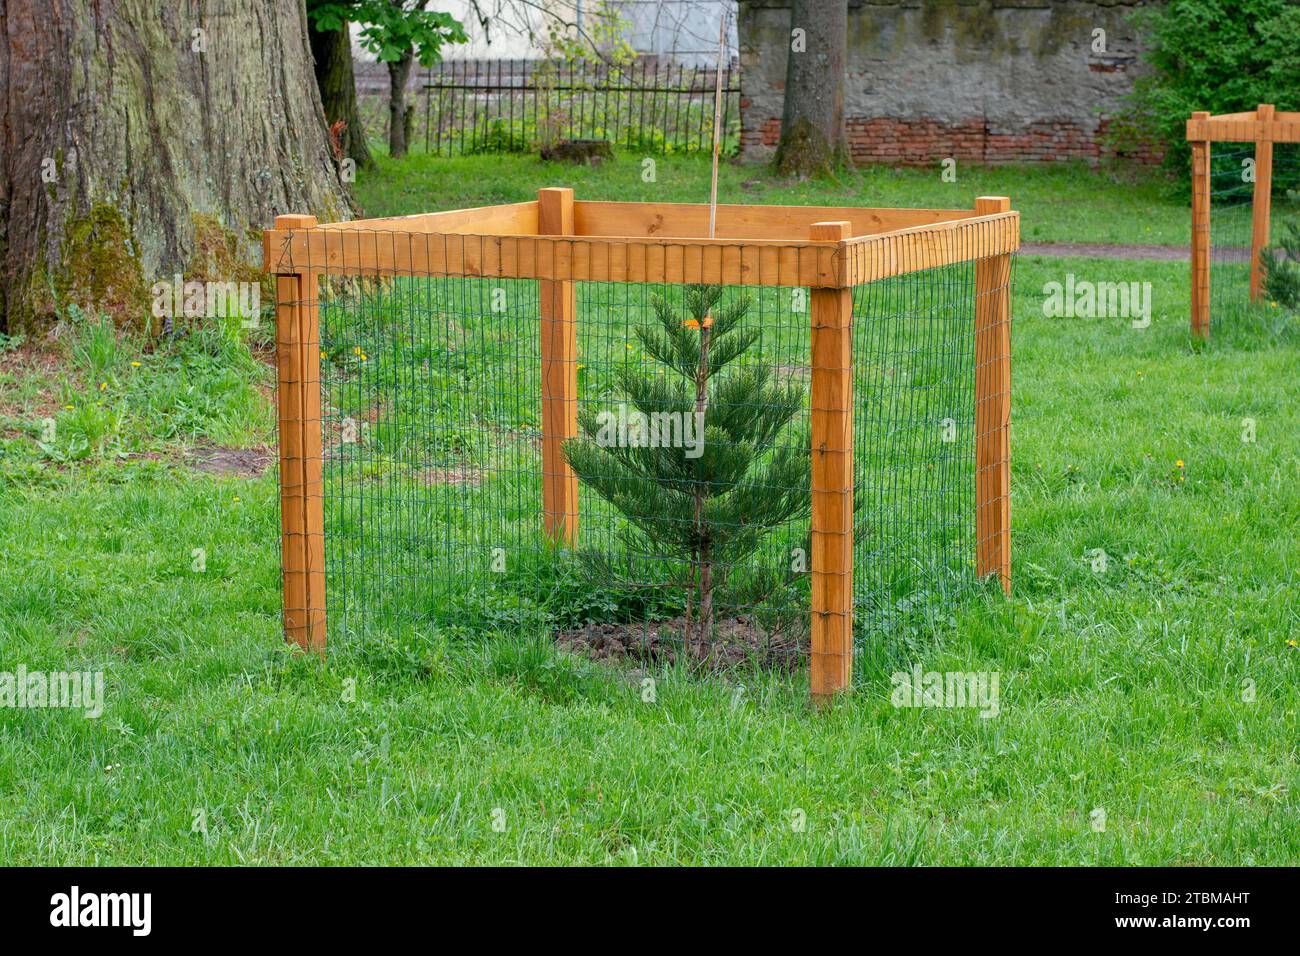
1223,56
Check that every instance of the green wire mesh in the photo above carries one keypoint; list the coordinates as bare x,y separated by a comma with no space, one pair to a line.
1231,196
1231,222
433,465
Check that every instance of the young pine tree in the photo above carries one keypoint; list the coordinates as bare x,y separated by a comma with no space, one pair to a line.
1282,270
692,460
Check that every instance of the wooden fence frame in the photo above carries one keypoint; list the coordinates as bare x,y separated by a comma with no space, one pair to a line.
1263,126
558,242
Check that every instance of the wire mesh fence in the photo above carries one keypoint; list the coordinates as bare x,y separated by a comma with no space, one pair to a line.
1245,177
686,418
1232,214
914,428
1231,206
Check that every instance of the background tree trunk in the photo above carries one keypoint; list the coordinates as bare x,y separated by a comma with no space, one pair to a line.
812,122
338,91
399,122
133,147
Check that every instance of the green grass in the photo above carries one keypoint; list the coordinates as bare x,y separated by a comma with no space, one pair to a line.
1058,203
1123,690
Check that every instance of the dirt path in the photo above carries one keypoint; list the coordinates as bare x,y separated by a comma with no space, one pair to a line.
1103,250
1108,250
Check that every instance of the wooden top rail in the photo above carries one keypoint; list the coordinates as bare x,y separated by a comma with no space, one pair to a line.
464,243
1244,127
660,220
786,223
513,219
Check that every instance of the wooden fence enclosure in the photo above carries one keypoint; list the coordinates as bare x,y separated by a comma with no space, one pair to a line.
893,325
1263,127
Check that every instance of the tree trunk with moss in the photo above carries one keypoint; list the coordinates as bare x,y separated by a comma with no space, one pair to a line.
812,122
140,141
332,50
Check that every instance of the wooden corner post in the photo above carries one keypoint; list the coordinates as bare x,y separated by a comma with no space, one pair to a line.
1262,202
993,407
1201,233
302,513
831,413
557,301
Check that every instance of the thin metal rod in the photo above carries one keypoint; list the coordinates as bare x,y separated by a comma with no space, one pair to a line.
717,123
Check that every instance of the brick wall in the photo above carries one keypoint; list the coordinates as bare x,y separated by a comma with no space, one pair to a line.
975,80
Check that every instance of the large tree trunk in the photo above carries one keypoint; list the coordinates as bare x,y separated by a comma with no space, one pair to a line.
812,123
338,92
139,141
400,117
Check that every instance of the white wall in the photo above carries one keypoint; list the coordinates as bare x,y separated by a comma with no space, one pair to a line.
686,29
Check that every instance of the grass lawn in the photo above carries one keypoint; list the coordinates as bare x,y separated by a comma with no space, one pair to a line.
1061,203
1158,694
1064,202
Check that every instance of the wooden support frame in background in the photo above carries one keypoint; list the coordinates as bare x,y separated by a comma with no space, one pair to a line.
1261,206
1262,126
1200,234
560,242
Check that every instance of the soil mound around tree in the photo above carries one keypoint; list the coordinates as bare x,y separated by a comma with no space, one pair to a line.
738,642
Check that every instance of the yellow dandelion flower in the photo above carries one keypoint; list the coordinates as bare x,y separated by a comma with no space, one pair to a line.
135,364
1178,463
103,386
69,407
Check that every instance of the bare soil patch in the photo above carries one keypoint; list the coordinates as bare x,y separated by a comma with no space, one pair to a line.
230,462
29,363
738,641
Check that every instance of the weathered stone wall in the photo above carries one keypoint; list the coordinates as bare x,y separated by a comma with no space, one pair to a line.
976,80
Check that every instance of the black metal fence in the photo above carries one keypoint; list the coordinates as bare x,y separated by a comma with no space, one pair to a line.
495,106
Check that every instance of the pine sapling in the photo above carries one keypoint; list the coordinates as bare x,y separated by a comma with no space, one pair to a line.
693,458
1282,269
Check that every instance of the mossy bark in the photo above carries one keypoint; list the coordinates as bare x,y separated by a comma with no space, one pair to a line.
120,123
812,124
